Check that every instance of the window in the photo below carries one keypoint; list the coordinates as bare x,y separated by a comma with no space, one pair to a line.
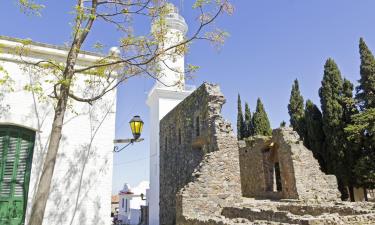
166,143
278,177
16,152
197,126
122,203
126,205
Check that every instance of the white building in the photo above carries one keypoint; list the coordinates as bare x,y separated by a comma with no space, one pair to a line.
168,91
82,180
126,213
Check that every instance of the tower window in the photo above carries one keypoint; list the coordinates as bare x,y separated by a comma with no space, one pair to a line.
166,143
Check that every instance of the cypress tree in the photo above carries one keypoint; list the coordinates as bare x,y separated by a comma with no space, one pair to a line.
331,93
366,88
330,98
261,124
240,120
314,139
361,131
248,124
296,110
351,149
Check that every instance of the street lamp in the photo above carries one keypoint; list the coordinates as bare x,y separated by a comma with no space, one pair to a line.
136,126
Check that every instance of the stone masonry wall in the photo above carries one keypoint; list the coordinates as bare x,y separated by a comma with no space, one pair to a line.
301,177
198,159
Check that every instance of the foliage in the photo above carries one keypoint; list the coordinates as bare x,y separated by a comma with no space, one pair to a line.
261,124
248,124
3,108
283,124
366,89
330,98
361,129
241,129
30,7
314,138
362,132
296,110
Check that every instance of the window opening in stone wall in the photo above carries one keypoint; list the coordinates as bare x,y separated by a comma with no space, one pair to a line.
268,170
179,137
197,126
166,143
272,172
277,177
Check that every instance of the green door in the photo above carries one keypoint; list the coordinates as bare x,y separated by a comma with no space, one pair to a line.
16,151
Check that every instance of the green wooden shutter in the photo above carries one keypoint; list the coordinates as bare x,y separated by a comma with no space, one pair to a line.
16,151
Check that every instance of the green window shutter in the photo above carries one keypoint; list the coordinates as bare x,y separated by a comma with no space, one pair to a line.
16,151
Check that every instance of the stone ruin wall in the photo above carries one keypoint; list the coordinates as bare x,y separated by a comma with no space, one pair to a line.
301,177
199,159
201,179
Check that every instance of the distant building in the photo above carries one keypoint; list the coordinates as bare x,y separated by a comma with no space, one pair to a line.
126,214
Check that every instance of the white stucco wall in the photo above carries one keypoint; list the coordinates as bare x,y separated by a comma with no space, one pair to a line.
88,200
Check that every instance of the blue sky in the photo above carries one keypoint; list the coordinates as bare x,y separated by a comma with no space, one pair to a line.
271,43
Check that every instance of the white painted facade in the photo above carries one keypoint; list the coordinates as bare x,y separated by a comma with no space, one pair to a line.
126,213
167,93
72,200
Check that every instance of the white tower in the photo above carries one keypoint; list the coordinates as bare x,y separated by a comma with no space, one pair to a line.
168,91
125,197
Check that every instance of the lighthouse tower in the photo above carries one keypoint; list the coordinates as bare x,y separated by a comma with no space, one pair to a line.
168,91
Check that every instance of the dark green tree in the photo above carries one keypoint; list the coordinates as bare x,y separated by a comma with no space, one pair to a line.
240,120
314,138
261,124
330,98
248,124
283,124
331,94
296,110
366,89
362,132
351,149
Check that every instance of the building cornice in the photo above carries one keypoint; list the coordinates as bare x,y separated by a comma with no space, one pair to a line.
42,50
158,93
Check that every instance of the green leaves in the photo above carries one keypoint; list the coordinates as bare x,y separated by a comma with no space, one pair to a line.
30,7
261,124
296,110
240,120
366,88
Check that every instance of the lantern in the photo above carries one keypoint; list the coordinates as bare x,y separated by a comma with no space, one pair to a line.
136,125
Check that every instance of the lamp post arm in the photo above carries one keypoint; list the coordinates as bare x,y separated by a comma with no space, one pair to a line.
116,148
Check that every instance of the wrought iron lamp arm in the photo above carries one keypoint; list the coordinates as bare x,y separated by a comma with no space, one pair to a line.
116,148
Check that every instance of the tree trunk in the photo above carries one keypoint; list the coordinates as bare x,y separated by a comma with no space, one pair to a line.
351,193
40,201
365,193
44,185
